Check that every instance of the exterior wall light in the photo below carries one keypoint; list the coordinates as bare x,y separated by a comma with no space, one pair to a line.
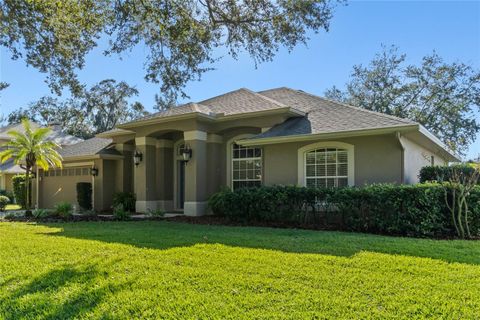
187,153
137,158
94,171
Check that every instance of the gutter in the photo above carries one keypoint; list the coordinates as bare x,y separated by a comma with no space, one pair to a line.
327,135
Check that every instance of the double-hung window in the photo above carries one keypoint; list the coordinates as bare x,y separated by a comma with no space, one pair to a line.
246,166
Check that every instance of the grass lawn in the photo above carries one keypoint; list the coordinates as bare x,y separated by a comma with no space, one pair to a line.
131,270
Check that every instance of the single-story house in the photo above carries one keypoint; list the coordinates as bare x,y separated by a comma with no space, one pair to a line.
9,169
175,159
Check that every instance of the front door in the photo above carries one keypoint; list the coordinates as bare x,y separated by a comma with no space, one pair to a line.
181,184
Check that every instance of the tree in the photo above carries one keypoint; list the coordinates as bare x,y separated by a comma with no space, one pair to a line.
180,37
442,97
457,190
48,110
98,109
31,148
106,105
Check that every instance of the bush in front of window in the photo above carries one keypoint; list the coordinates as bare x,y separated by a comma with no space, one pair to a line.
407,210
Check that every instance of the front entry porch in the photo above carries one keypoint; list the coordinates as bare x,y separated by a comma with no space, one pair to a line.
164,180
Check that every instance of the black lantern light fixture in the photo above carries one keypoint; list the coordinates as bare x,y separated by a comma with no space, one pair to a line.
187,153
94,171
137,157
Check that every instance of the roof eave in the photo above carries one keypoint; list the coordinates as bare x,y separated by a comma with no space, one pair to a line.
93,157
453,156
107,135
186,116
327,135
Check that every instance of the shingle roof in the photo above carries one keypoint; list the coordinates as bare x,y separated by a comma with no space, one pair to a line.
88,147
241,101
235,102
56,135
9,166
324,116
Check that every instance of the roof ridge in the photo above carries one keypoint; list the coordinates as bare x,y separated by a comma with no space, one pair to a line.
266,98
223,94
353,107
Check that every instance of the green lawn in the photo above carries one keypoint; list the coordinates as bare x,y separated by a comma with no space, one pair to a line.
131,270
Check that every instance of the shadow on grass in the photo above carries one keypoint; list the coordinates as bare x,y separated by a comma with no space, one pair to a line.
65,293
165,235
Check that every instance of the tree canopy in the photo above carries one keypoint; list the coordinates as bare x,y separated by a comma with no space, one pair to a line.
54,36
96,110
443,97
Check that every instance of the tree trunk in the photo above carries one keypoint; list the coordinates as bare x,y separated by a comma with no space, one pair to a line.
27,189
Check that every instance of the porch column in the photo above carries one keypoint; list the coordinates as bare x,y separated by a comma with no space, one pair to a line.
196,174
165,174
145,175
124,168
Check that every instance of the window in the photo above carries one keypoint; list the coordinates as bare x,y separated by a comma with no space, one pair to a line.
246,166
326,167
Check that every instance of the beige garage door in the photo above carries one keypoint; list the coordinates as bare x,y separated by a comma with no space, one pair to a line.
61,185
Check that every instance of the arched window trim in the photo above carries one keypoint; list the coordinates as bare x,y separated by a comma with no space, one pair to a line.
229,151
326,144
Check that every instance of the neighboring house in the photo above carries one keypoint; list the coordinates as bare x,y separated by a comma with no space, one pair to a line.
9,168
243,138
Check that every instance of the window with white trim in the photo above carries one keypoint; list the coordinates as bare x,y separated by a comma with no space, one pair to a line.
246,167
326,167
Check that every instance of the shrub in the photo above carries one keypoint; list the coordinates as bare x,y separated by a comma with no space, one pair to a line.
40,213
3,202
155,213
126,199
443,173
63,209
84,195
10,215
409,210
119,213
18,182
7,194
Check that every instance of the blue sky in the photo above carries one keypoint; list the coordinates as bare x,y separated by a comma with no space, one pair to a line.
356,33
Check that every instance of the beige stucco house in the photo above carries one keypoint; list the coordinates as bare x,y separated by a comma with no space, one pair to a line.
242,138
9,169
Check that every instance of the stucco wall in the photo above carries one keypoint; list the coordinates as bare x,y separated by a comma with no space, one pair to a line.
60,188
377,159
417,157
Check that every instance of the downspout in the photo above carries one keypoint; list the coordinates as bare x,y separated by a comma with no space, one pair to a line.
402,159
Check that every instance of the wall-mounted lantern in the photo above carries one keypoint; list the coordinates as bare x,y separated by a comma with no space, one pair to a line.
137,157
94,171
187,153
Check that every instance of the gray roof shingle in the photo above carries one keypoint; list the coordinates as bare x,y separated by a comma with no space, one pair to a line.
324,116
88,147
10,167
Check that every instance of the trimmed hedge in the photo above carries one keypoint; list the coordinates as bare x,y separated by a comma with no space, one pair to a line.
84,195
408,210
18,183
443,173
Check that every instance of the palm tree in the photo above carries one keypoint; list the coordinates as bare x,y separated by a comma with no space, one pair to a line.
29,149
